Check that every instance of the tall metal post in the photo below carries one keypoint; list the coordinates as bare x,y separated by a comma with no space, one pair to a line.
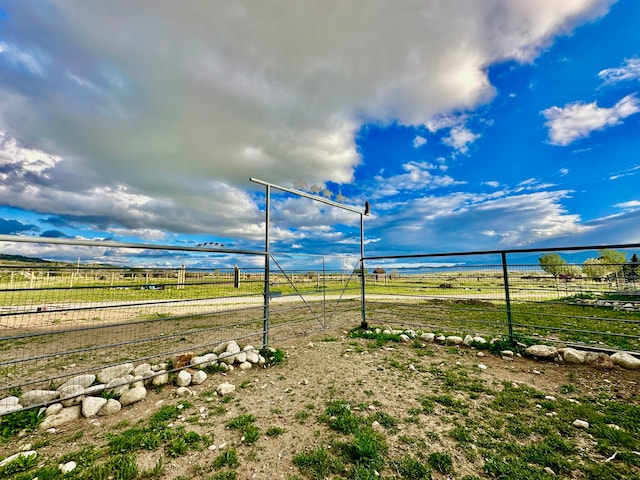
267,264
507,297
363,275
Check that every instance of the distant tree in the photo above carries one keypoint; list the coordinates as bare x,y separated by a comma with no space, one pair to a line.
553,264
631,270
613,258
596,269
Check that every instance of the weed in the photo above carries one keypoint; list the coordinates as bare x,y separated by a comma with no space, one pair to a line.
13,423
273,356
318,464
442,462
338,416
156,471
410,468
302,416
228,458
251,434
22,463
225,475
246,384
241,422
274,431
385,420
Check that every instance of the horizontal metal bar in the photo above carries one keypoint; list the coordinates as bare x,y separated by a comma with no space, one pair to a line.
499,252
309,196
112,244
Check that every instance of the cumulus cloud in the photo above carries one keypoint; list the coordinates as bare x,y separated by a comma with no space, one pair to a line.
577,120
418,141
153,115
629,71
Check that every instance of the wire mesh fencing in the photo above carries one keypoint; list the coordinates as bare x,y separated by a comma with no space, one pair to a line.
586,299
59,320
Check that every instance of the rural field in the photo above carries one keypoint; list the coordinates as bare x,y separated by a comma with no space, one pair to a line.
343,404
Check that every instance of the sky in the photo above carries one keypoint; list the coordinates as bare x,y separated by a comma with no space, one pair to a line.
467,125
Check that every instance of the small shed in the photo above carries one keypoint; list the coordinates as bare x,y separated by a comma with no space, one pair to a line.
379,274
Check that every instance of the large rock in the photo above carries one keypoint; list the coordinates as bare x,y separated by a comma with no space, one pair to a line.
84,381
541,351
143,370
161,378
92,405
112,407
117,385
65,415
453,340
9,404
115,371
71,395
598,359
571,355
625,360
133,395
225,388
428,337
183,379
198,377
36,397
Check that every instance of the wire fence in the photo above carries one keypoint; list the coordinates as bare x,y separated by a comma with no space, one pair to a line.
59,320
585,299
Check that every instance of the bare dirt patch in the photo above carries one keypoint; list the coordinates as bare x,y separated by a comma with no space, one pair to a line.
393,379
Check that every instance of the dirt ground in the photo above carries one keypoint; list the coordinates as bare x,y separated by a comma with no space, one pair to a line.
319,368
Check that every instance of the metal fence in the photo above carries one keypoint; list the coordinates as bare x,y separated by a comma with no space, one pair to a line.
583,299
59,320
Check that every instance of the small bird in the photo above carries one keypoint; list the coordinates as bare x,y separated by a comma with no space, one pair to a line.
366,208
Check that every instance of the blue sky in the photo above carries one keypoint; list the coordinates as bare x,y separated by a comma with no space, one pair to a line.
467,125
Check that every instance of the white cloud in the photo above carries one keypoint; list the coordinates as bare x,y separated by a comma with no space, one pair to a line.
563,171
629,71
460,138
417,178
630,205
492,184
577,120
157,113
418,141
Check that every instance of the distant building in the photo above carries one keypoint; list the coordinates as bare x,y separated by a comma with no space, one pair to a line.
379,274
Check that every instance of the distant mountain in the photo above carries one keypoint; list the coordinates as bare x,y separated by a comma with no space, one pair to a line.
22,259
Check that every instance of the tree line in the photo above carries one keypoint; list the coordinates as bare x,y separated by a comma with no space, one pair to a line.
609,264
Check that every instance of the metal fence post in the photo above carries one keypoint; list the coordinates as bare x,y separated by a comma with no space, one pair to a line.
363,274
267,263
507,298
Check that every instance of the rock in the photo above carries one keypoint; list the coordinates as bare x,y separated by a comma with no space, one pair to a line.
233,347
117,385
245,366
183,379
541,351
36,397
428,337
133,395
198,377
112,407
549,471
482,366
184,392
84,381
453,340
204,361
225,388
138,381
67,467
53,409
116,371
405,338
261,361
162,378
598,359
65,415
143,370
94,389
625,360
253,357
92,405
220,348
71,395
440,338
468,340
240,357
227,358
4,409
507,353
249,348
581,424
15,456
571,355
9,401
